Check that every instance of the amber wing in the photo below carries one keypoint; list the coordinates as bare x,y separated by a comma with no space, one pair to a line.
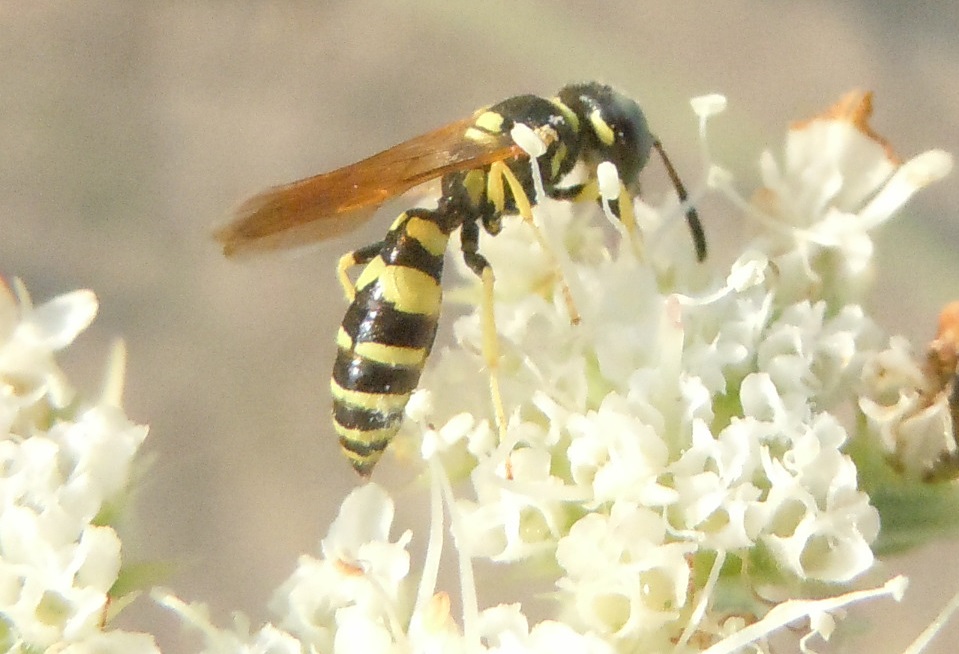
330,204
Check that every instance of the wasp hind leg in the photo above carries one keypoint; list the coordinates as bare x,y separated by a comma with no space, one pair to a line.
357,257
469,239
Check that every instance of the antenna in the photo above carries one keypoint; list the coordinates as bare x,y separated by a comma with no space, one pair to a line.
692,218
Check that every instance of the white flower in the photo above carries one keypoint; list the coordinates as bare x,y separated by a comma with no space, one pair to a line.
236,640
815,521
622,576
838,181
714,484
675,459
65,463
357,583
676,425
617,455
507,630
29,337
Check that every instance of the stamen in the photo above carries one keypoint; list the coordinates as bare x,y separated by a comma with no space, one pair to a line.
747,271
923,639
707,106
393,619
702,602
720,179
607,175
913,175
434,545
791,610
524,136
499,172
467,581
530,142
113,382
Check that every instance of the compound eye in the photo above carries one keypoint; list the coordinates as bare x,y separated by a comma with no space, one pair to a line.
633,140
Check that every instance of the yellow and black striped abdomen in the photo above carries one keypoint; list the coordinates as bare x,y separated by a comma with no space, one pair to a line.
386,336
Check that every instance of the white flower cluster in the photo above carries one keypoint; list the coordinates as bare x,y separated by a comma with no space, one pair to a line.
64,464
675,463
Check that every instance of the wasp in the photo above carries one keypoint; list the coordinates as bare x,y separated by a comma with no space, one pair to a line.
485,173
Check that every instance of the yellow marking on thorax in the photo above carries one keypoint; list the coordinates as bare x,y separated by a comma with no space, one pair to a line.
428,234
477,135
385,403
410,290
491,121
393,355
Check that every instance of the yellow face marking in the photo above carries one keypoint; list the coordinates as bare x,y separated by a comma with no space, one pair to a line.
410,290
490,121
391,354
428,234
602,128
371,273
384,403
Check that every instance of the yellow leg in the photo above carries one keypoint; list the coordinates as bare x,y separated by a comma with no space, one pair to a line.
628,218
611,188
500,171
346,262
357,257
469,241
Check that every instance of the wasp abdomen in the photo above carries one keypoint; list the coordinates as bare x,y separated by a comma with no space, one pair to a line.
386,336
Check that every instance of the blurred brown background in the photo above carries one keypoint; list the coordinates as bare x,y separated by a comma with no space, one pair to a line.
128,129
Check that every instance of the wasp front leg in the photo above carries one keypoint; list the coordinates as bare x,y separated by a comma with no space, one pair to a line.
613,198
